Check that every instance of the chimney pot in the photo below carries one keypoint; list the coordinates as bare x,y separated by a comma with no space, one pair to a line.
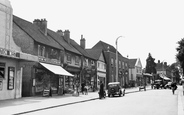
42,24
82,42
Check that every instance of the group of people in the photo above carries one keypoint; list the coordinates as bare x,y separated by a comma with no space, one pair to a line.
84,90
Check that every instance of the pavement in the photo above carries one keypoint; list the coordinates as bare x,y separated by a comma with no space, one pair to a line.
31,104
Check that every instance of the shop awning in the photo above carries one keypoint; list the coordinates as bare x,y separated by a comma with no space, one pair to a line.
148,74
164,77
56,69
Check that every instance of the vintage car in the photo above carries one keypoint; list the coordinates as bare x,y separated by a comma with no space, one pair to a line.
114,88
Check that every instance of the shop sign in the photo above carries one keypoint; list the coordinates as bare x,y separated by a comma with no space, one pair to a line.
11,75
47,60
6,52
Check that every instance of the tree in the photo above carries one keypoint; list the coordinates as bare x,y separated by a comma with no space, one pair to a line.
150,65
180,53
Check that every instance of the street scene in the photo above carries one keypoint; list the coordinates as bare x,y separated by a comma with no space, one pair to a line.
135,102
101,57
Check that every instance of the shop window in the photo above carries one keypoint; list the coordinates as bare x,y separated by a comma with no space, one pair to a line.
11,76
2,70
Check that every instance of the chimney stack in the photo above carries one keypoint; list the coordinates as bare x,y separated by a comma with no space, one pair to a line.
67,36
82,42
42,24
60,32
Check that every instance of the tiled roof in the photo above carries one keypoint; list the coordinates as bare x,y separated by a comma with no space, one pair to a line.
95,53
132,62
104,46
80,49
62,42
35,33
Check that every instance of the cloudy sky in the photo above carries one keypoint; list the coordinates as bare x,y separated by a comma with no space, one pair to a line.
147,26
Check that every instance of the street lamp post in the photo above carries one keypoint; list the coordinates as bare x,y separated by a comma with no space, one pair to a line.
117,58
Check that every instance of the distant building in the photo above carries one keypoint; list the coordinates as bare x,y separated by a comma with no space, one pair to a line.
163,70
110,58
135,71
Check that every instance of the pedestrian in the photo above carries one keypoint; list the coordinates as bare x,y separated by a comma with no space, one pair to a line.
173,87
183,86
82,87
101,92
50,91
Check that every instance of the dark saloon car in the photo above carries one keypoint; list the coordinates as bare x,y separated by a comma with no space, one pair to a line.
114,88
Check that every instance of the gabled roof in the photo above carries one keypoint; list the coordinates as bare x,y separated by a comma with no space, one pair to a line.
62,42
105,47
132,63
95,53
35,33
81,50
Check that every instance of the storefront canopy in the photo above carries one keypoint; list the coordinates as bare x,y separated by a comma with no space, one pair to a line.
148,74
164,77
56,69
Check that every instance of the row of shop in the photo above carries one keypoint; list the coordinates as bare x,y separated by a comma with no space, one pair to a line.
23,78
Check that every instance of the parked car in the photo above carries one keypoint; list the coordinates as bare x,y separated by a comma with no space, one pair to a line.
157,84
142,87
114,88
168,85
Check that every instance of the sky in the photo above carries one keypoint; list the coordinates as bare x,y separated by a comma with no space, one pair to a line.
146,26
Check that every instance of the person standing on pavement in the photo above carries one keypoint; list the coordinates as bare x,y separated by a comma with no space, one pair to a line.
183,86
82,87
173,87
101,92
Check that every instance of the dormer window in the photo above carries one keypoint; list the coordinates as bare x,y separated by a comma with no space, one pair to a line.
92,62
69,58
41,50
76,60
53,54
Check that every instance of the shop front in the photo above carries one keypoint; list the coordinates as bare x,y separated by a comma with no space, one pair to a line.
101,77
38,77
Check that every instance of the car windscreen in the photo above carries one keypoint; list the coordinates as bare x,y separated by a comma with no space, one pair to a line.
113,85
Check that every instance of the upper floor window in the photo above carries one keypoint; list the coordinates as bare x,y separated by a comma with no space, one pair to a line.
126,65
98,65
76,60
69,60
123,65
119,64
86,62
92,62
104,66
2,70
53,54
112,61
41,50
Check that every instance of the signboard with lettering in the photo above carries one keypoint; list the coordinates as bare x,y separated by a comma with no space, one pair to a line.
11,75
